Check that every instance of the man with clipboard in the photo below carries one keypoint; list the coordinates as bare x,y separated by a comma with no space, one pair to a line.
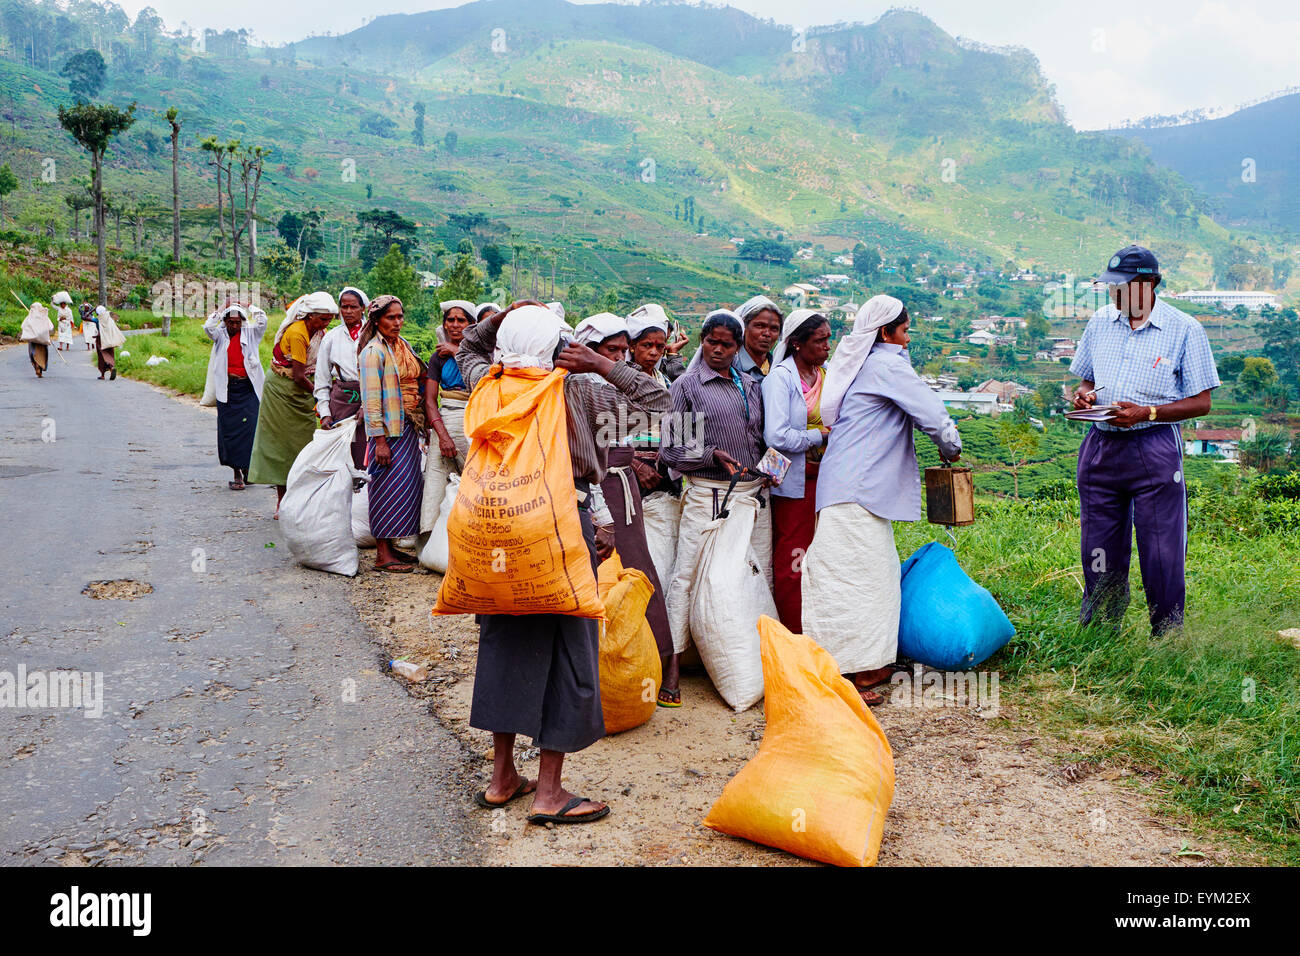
1155,366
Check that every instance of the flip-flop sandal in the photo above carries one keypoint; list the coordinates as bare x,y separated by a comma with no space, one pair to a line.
669,698
563,816
870,697
235,485
526,787
394,567
874,683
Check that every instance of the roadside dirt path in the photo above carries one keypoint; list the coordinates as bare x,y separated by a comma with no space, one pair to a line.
970,789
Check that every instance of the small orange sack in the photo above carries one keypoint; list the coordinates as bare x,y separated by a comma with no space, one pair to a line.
630,669
515,543
823,778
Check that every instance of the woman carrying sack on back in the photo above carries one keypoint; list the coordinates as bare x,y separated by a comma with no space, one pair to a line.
716,430
538,674
286,420
869,478
606,333
107,338
36,333
445,395
393,405
792,424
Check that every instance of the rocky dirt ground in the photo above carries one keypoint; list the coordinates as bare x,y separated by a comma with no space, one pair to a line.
970,789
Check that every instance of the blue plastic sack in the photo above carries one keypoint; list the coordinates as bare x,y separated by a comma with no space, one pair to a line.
947,620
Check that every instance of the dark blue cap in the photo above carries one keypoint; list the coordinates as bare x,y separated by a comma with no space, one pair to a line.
1131,262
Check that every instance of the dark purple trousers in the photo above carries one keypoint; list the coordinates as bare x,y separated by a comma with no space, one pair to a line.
1127,480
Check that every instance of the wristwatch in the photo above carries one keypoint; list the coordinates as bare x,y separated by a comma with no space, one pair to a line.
1152,416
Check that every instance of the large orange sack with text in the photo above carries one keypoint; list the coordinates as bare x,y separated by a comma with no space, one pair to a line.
514,539
630,669
823,778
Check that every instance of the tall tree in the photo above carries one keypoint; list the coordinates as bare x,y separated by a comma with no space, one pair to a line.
418,133
217,150
85,72
8,183
173,120
251,161
92,127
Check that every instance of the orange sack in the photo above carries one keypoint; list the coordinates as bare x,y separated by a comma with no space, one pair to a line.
630,669
823,778
515,543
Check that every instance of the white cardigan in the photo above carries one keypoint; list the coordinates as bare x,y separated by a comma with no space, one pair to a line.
250,336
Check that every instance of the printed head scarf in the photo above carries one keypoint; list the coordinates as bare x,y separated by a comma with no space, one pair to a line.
527,338
597,328
468,308
852,351
792,322
646,317
361,296
85,309
752,307
373,314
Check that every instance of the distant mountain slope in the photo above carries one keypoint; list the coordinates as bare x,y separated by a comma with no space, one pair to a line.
1210,155
638,140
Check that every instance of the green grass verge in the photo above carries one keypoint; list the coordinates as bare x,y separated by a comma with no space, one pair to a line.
1207,718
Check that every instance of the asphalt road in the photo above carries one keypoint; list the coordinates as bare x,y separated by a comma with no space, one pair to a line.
246,719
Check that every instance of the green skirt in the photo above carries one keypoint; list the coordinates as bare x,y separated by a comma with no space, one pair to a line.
285,425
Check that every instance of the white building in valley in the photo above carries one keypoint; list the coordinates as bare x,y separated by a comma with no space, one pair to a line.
1228,298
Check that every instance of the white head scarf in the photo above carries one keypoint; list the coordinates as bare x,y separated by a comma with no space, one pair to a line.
557,308
792,321
485,307
313,303
233,307
648,316
61,298
597,328
852,351
365,299
752,307
100,310
469,308
695,359
527,338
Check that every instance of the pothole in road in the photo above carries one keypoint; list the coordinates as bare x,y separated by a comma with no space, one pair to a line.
123,589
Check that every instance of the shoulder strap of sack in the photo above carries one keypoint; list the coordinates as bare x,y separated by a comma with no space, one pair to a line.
744,474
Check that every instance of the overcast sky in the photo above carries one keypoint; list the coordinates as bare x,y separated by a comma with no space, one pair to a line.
1111,60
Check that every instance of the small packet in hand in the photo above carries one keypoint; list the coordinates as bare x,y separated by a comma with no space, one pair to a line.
774,465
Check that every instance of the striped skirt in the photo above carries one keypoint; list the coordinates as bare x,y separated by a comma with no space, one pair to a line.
396,491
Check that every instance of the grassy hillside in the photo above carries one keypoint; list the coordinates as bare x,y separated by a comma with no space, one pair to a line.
891,133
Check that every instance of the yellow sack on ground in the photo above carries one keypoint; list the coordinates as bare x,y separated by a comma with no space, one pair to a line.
630,670
823,778
514,538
